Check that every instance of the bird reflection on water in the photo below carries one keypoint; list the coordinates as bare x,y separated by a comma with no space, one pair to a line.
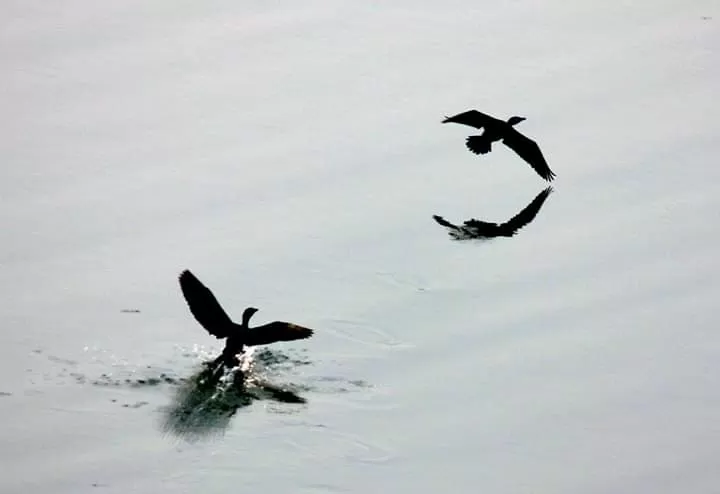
205,403
478,229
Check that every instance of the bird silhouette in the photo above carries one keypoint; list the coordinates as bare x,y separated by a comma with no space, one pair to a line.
211,316
477,229
498,130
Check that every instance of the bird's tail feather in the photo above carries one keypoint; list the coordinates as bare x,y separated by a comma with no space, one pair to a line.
478,144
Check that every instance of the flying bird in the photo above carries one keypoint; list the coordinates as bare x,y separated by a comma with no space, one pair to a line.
498,130
477,229
211,316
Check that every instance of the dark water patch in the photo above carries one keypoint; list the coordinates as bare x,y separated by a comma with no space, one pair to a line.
148,380
204,405
137,404
273,362
5,393
329,384
60,360
113,371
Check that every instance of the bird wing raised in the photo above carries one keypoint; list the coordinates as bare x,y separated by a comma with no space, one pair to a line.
473,118
528,214
528,150
204,306
276,331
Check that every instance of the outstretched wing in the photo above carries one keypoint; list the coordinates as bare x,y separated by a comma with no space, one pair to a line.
276,331
528,150
204,306
528,214
473,118
471,229
445,222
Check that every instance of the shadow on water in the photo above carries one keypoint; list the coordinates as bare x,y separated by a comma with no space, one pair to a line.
477,229
204,404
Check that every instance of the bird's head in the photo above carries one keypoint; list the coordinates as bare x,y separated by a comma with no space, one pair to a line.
515,120
247,314
452,119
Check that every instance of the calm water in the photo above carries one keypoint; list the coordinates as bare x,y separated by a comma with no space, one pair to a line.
293,159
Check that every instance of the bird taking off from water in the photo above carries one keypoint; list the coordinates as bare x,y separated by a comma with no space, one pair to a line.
211,316
498,130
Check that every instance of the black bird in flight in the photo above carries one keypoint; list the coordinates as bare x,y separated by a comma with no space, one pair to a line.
498,130
211,316
477,229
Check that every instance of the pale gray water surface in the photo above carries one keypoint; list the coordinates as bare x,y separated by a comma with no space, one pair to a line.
292,157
